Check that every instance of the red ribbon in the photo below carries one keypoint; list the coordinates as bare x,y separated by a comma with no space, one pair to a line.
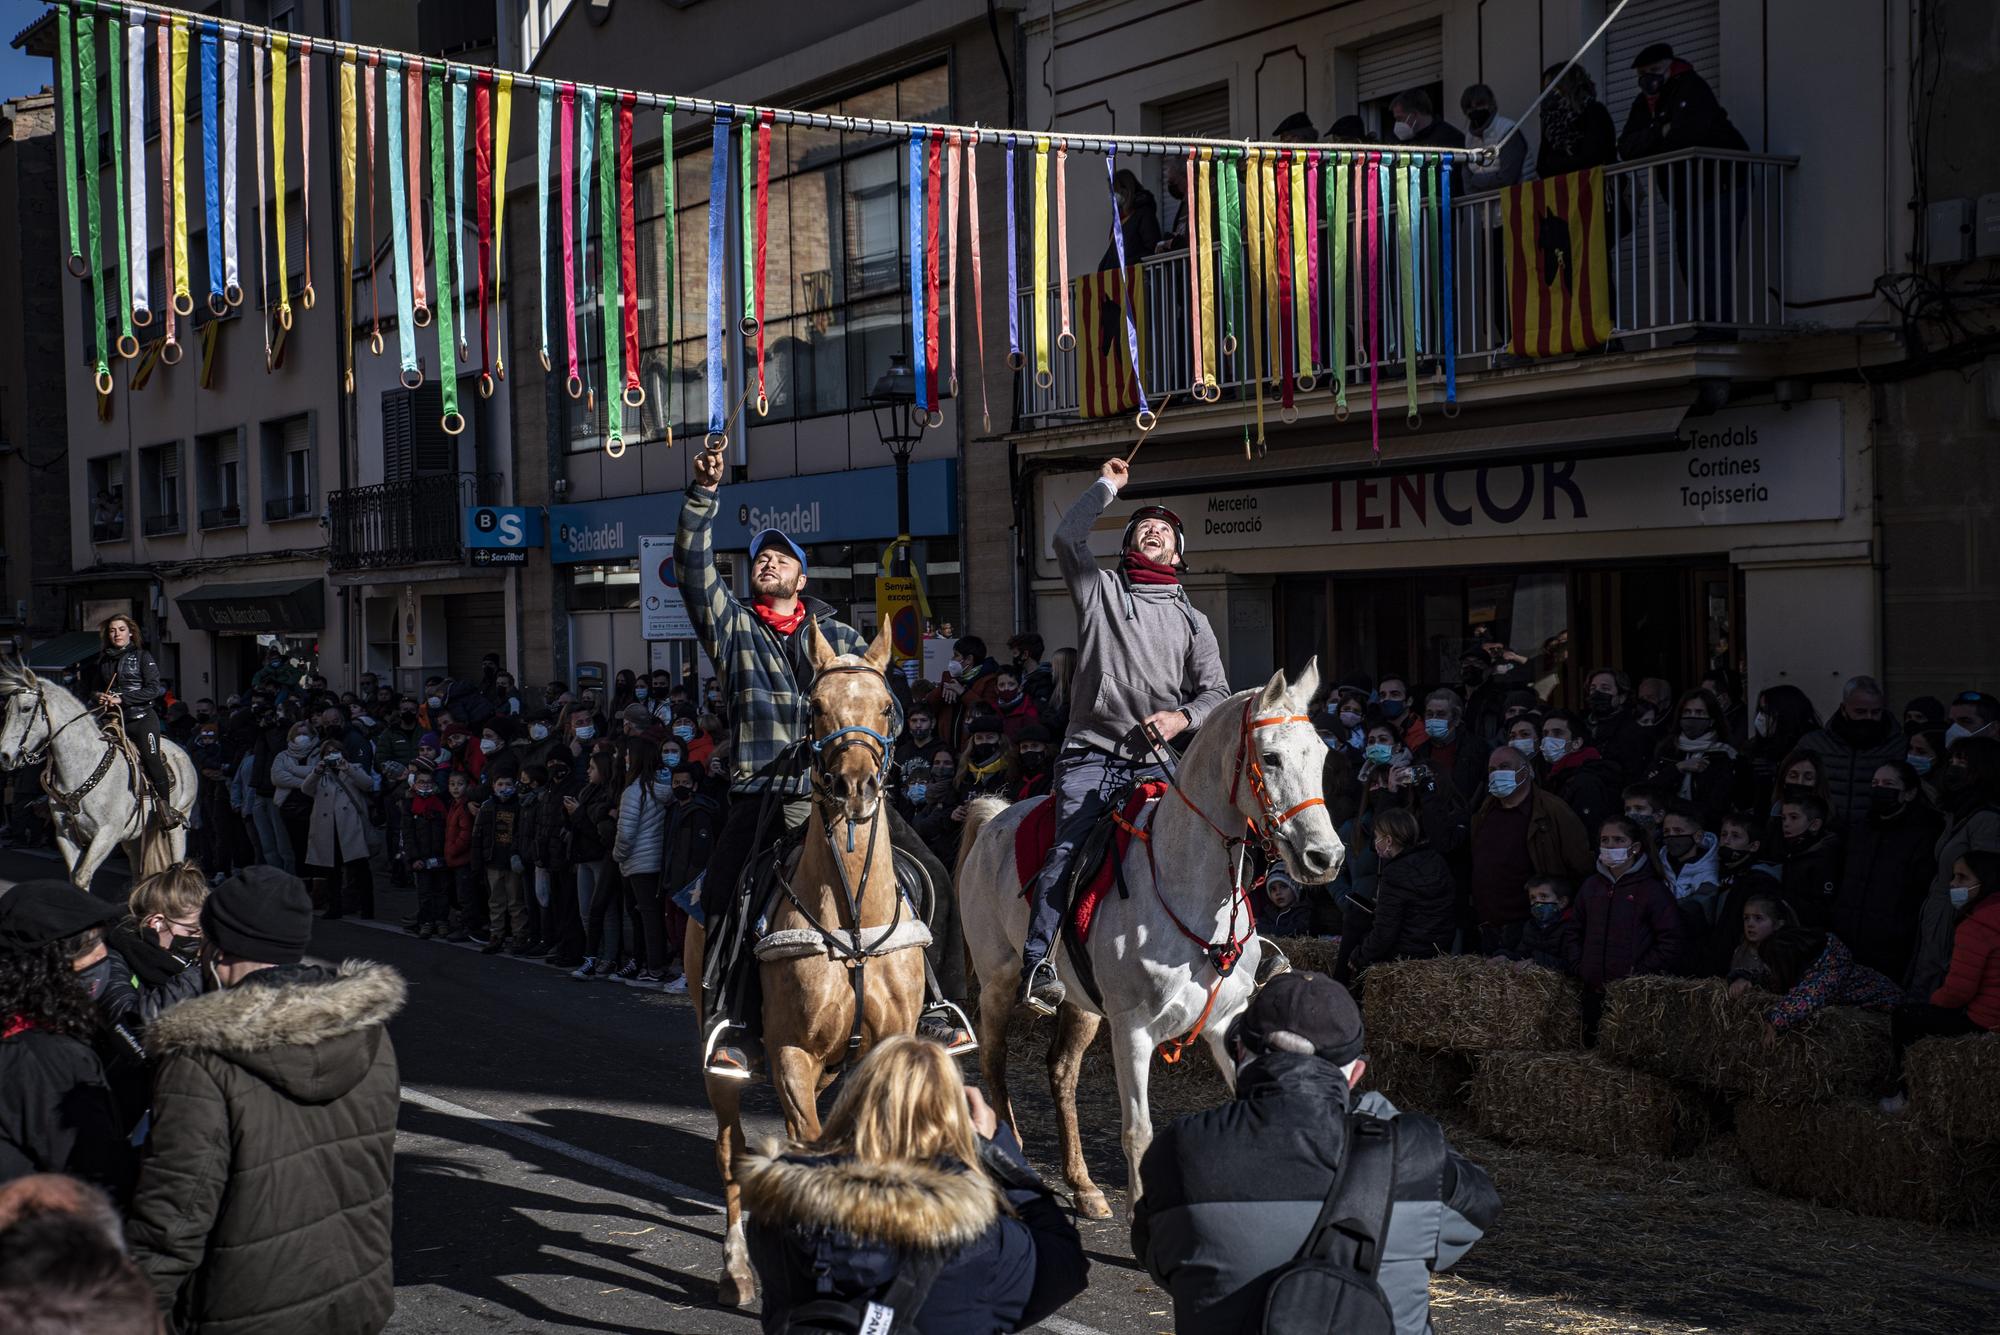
1371,280
368,111
566,132
628,248
482,206
932,162
1286,362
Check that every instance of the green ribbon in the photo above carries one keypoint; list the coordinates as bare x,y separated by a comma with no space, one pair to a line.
115,62
607,256
749,212
672,283
1230,210
1407,216
93,185
1336,213
66,94
441,254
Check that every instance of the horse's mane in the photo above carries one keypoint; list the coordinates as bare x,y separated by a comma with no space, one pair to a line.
16,675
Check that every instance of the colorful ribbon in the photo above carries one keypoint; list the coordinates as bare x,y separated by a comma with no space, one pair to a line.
93,188
933,149
1371,279
608,287
1253,313
670,286
128,346
66,94
368,140
347,167
482,210
232,267
1066,335
440,250
413,92
1203,213
1411,295
1014,358
951,166
211,166
263,195
402,239
1337,182
1445,286
1191,205
545,114
177,61
916,223
746,216
718,249
586,177
978,288
140,251
459,88
170,347
574,384
306,297
1229,216
1039,240
1301,244
502,134
758,239
1284,336
1146,419
1316,344
279,44
628,256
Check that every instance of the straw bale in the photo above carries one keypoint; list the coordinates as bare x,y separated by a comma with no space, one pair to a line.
1462,1003
1850,1155
1955,1087
1692,1029
1416,1080
1317,953
1579,1101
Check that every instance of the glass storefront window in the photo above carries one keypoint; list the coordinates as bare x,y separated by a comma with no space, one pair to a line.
604,588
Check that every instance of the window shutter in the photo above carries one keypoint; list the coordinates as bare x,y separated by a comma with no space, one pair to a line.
1404,60
296,433
170,460
1692,27
431,450
228,448
395,435
1203,115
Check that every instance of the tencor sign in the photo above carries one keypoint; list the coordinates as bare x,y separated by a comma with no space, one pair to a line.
1751,466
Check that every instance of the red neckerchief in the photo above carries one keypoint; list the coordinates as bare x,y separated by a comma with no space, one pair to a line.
1574,760
1138,568
782,623
16,1024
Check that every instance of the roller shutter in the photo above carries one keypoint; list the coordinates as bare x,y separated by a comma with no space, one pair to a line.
1412,58
1692,27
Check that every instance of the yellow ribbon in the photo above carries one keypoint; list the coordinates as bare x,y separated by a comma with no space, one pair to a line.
280,43
178,41
1039,230
1204,196
1192,206
1301,304
1253,271
347,151
504,110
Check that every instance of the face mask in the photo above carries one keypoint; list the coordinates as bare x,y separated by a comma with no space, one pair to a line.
985,751
1348,718
1678,845
1554,748
1651,84
205,739
671,759
1378,754
1601,702
1761,725
300,745
430,791
408,712
682,792
1405,131
1734,859
1960,896
1643,819
436,703
639,692
1957,732
538,731
1525,745
917,792
1884,801
1437,728
1393,709
504,791
1921,764
585,732
1545,914
488,745
1479,117
1614,857
1502,782
1694,726
684,731
1034,762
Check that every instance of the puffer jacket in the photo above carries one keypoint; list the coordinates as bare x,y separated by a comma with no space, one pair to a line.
1231,1193
640,847
1625,927
1848,762
263,1203
423,829
1974,981
458,820
57,1113
842,1228
1415,916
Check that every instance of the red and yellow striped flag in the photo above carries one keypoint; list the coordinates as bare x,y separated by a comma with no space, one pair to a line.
1106,385
1558,288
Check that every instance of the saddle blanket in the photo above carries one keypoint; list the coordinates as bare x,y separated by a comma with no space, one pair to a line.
1037,835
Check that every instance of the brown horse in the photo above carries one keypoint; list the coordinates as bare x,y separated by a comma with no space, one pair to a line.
842,963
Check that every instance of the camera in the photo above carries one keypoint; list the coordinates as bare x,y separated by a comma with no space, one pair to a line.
1424,777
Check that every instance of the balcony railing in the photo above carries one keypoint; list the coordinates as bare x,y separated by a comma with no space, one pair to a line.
155,525
287,507
107,530
223,516
1695,247
415,522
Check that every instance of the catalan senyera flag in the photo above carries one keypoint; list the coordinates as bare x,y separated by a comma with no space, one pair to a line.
1558,284
1106,385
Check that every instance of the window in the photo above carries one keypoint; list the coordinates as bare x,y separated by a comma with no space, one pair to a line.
219,478
289,480
413,440
107,498
604,588
1413,58
160,489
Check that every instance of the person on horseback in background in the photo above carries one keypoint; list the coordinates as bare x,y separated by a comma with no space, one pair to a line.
128,681
1148,668
762,652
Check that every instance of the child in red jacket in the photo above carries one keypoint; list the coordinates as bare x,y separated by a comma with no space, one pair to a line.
1969,1001
458,854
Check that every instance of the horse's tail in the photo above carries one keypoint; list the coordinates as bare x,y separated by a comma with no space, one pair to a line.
980,811
156,851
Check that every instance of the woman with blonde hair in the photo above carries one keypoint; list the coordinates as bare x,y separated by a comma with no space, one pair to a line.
915,1199
160,937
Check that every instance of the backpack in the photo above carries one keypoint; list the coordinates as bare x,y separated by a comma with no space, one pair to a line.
1330,1284
893,1315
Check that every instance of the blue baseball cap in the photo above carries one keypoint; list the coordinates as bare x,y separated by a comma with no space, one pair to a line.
772,537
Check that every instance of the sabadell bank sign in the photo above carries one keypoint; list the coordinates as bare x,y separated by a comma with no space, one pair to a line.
1751,466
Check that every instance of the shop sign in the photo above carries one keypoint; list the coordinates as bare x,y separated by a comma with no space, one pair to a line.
503,528
662,614
1763,465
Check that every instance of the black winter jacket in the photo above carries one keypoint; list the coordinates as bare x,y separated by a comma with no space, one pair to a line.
691,831
423,831
132,676
1811,877
263,1205
1883,881
592,826
1849,754
1554,946
498,835
57,1114
1415,914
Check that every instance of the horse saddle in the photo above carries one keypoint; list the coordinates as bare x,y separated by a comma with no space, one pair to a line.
1091,871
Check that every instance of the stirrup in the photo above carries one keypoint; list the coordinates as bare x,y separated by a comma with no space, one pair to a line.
1041,1005
716,1031
946,1016
1271,961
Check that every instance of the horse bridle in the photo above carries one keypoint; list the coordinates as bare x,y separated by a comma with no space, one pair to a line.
41,694
70,801
828,749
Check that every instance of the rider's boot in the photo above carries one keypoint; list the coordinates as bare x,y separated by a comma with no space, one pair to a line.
1041,991
942,1021
1271,962
165,817
730,1051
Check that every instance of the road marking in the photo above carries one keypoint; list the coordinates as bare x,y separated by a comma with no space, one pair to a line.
1064,1326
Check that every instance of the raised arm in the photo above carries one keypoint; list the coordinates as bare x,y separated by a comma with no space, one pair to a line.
1079,567
710,606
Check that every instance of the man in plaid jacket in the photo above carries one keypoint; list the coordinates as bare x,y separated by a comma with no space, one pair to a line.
761,652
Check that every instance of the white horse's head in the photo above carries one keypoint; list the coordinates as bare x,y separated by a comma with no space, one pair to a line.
1291,757
23,728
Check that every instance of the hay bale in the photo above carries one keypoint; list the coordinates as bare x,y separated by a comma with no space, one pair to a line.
1579,1101
1416,1080
1462,1003
1955,1087
1691,1029
1317,953
1850,1155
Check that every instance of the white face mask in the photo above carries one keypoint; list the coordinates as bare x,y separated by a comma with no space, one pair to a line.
1614,857
1762,724
1525,745
1554,748
538,731
488,745
585,732
1957,732
1405,131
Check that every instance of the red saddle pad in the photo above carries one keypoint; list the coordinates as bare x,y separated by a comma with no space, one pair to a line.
1037,834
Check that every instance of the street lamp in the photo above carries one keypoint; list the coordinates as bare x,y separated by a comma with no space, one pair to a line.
901,426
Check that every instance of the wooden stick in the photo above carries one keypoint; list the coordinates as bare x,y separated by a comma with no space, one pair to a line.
1149,430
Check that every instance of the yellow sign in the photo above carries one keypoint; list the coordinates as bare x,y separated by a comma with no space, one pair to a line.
896,608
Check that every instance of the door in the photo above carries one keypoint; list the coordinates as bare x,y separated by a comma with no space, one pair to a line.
475,624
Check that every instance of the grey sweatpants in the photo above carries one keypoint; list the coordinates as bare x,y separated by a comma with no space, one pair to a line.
1084,784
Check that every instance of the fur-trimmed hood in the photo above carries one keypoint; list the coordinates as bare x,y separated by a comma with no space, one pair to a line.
905,1205
309,1030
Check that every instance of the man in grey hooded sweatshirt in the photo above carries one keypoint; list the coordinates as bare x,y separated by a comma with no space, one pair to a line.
1147,664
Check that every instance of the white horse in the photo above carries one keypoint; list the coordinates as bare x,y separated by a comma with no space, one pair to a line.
94,794
1254,768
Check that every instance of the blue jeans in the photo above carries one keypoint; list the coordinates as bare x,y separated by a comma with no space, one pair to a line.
274,842
1084,784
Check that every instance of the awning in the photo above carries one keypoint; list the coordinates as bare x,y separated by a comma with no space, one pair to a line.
64,651
252,608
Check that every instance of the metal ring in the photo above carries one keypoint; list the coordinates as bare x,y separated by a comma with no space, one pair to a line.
748,326
954,384
933,419
347,382
574,386
1061,345
1341,411
463,351
1228,345
218,305
1415,419
1146,420
1214,388
1016,360
375,342
128,346
412,379
635,396
447,420
615,446
183,303
1044,380
547,365
142,315
420,316
1288,415
499,369
76,266
105,384
308,298
763,404
1306,383
1450,408
715,442
485,383
171,352
285,317
233,294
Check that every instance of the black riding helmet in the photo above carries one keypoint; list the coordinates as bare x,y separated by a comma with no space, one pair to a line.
1146,512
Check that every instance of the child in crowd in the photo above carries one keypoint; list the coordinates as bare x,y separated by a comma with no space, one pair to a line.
1626,919
1415,895
1281,909
1811,858
458,854
1550,936
1646,806
424,847
1811,968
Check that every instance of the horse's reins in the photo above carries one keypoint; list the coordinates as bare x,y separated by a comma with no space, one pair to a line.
72,801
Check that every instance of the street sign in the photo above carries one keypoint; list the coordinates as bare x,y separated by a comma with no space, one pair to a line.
503,528
896,608
662,615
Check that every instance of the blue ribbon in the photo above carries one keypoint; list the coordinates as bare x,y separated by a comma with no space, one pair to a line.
1444,246
544,127
917,264
456,168
211,166
1124,284
718,247
1013,265
406,322
586,129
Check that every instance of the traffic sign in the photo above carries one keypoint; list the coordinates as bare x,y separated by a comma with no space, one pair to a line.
662,614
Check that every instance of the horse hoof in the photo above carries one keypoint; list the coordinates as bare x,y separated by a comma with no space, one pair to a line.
1092,1205
734,1291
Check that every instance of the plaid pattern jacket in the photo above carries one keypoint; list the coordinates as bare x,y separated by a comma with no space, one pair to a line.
766,677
